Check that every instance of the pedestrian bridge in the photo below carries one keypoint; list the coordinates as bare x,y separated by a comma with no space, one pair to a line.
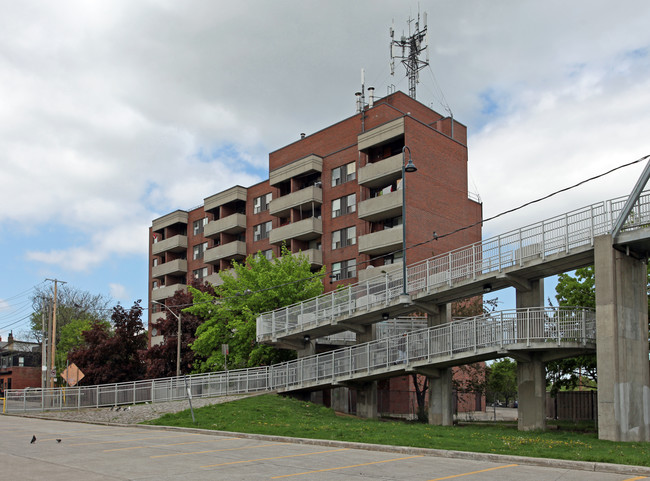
553,332
546,248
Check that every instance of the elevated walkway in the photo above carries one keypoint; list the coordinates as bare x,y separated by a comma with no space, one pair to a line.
546,248
553,332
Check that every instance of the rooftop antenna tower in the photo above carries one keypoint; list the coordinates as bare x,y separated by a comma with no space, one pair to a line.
412,47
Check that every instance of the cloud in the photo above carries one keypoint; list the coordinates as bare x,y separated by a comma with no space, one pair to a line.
118,291
117,112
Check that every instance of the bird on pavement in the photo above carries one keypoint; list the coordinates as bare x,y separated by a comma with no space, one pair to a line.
33,440
58,440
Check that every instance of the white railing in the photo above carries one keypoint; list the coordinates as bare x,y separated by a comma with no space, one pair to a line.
557,235
459,340
490,334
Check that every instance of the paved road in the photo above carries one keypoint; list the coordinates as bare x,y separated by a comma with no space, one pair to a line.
93,452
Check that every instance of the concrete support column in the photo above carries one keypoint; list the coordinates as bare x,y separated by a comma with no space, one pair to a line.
367,391
367,400
340,399
441,406
531,373
531,384
532,297
622,344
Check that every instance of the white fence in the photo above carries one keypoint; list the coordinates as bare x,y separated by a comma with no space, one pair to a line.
559,234
555,327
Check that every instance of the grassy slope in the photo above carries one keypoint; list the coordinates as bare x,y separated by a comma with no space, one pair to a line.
276,415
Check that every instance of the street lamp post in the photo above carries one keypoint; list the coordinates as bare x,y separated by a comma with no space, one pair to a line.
410,167
178,338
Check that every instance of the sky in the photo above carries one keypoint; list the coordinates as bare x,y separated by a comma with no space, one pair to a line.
104,104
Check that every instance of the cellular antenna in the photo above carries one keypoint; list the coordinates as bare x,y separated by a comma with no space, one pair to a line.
412,47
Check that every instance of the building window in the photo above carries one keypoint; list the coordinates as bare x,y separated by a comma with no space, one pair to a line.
154,285
199,249
344,205
198,225
155,261
261,203
200,273
344,269
268,253
344,173
344,237
261,231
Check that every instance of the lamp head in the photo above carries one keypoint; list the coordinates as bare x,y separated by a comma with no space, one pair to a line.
410,166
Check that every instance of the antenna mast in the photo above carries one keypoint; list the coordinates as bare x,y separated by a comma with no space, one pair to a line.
412,47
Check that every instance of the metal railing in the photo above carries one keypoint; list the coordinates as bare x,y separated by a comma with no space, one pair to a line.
557,235
489,334
453,342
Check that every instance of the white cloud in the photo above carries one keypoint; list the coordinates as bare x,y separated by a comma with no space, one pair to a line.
117,112
118,292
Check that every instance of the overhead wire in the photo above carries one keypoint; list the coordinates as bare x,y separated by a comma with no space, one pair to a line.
440,236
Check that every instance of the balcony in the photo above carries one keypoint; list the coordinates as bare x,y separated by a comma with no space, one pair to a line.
172,268
380,173
381,207
382,134
167,291
231,250
306,165
177,243
300,199
372,272
216,280
176,217
381,242
158,316
232,224
307,229
231,195
315,257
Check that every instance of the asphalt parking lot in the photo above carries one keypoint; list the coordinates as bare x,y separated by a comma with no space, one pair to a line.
98,452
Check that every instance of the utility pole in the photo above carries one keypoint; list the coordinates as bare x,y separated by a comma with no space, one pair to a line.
53,337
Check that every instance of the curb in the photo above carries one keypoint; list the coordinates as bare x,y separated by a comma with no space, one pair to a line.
442,453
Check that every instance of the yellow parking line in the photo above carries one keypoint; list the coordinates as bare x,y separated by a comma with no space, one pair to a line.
133,439
217,450
635,479
277,457
173,444
345,467
475,472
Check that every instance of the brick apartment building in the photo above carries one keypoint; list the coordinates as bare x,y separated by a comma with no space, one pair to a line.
334,195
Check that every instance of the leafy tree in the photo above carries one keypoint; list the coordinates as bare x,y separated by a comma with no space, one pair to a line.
258,285
113,355
161,359
573,291
72,304
502,379
71,337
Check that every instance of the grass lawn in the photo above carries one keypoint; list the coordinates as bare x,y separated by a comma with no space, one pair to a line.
277,415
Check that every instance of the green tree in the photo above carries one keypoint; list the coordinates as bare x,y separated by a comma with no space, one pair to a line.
576,290
113,355
70,338
502,379
258,285
72,304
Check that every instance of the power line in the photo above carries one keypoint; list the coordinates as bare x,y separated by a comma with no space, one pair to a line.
440,236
